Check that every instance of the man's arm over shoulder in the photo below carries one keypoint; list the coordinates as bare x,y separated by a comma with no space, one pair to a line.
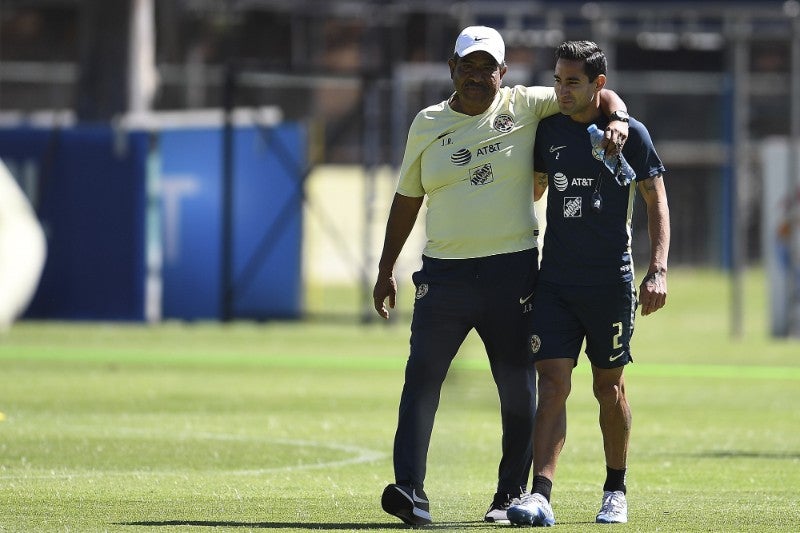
617,131
542,100
610,101
653,290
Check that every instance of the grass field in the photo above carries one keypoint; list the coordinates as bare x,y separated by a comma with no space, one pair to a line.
289,426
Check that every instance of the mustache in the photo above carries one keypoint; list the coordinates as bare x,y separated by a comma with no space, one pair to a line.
470,84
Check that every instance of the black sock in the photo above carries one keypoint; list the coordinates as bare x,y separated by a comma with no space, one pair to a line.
542,485
615,480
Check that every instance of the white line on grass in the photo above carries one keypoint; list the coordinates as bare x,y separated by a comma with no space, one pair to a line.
360,455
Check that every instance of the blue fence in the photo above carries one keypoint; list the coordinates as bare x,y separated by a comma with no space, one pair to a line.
127,211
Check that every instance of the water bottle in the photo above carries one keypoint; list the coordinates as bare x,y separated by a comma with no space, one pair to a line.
624,174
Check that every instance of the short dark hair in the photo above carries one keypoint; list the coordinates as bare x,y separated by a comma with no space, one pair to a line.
593,57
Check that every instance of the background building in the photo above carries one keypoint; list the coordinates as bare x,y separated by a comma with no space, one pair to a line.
712,80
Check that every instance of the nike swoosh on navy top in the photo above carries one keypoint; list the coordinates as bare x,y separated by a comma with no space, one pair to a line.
523,300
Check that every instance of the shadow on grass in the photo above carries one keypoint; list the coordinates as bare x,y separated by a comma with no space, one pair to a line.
304,525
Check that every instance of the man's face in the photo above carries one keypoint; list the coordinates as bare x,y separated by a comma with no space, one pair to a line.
574,91
476,79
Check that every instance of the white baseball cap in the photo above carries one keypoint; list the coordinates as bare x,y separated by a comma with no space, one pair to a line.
476,38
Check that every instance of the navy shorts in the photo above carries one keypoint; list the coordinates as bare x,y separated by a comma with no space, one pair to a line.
564,316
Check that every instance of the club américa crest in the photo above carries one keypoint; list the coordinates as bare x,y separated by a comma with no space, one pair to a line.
422,290
503,123
536,343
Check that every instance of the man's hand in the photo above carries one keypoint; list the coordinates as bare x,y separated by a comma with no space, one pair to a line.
616,134
385,287
653,292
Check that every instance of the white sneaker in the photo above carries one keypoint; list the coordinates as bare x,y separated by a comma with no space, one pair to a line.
531,510
614,509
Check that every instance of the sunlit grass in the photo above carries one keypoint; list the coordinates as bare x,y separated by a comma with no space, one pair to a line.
289,425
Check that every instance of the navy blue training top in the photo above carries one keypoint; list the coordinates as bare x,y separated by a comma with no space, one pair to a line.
582,246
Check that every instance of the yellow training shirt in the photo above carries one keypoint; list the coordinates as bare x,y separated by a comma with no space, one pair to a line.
477,173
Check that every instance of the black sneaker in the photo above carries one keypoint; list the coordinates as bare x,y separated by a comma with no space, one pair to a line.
406,503
497,510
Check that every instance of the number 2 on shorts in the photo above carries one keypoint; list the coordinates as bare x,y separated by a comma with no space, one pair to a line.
615,343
